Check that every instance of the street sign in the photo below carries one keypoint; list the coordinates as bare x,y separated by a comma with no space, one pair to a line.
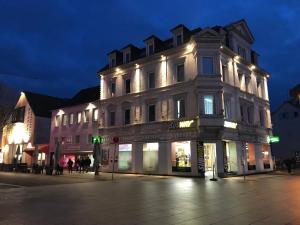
273,139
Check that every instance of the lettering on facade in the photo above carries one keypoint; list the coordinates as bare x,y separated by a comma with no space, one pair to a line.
200,158
181,124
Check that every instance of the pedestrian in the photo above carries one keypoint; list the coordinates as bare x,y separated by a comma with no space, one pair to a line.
70,166
288,164
88,163
81,165
77,164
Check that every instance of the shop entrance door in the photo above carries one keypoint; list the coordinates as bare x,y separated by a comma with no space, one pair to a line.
210,158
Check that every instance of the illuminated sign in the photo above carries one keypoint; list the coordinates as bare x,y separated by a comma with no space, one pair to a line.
181,124
97,139
273,139
230,124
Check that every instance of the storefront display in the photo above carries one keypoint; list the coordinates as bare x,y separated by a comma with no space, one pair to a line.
250,156
150,157
230,156
210,158
266,156
125,157
181,156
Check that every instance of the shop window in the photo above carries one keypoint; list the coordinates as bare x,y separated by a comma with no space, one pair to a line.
208,104
180,72
207,65
230,157
210,158
181,156
150,157
250,156
266,156
125,157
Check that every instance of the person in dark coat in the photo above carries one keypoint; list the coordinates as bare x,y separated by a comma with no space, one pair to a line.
288,164
70,166
81,165
88,163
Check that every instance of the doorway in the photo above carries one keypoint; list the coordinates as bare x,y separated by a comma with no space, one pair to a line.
210,159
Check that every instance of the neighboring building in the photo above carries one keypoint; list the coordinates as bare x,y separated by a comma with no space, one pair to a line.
286,122
28,128
186,104
74,124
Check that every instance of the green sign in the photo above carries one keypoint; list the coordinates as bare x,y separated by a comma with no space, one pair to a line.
97,139
273,139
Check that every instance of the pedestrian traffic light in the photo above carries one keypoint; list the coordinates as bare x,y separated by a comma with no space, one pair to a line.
97,139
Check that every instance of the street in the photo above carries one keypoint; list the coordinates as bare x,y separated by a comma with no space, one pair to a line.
135,199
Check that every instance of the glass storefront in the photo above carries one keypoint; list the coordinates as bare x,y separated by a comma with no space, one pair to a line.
210,158
125,156
230,158
250,156
266,156
181,156
150,157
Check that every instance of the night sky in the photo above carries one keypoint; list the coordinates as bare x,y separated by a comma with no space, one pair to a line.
55,47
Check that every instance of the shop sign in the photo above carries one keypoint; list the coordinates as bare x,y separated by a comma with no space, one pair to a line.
181,124
273,139
229,124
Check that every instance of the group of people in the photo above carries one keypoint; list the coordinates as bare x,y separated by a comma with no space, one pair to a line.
82,164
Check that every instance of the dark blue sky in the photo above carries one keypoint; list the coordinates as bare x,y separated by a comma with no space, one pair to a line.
56,46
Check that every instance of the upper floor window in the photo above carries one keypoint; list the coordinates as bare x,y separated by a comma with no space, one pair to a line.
151,80
127,57
151,112
113,87
262,117
150,49
56,121
258,84
77,139
127,86
180,72
240,76
242,52
113,62
71,118
86,116
111,118
208,104
248,84
227,107
95,114
64,119
79,115
180,108
127,116
225,73
179,39
207,65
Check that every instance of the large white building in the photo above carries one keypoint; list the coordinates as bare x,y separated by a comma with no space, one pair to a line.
185,105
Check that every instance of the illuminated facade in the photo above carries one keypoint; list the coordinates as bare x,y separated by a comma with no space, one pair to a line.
28,128
74,125
187,105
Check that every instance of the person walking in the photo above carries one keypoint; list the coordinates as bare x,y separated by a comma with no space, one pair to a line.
88,163
70,166
81,165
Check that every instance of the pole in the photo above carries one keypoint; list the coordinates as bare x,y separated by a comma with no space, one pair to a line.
113,169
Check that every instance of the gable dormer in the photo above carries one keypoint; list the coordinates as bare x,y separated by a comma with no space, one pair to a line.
153,45
130,53
115,58
181,34
210,35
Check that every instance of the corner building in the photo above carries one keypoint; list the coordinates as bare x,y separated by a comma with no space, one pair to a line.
188,105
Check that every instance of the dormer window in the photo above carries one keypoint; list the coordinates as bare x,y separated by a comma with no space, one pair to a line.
178,39
127,57
112,62
150,49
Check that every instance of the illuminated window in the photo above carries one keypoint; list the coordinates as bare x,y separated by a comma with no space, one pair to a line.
79,117
151,113
71,118
208,104
64,119
250,156
125,157
151,80
86,116
180,108
150,157
56,121
180,72
95,114
181,156
207,65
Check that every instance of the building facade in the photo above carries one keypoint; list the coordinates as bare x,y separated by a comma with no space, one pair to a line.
28,129
286,121
74,125
189,105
